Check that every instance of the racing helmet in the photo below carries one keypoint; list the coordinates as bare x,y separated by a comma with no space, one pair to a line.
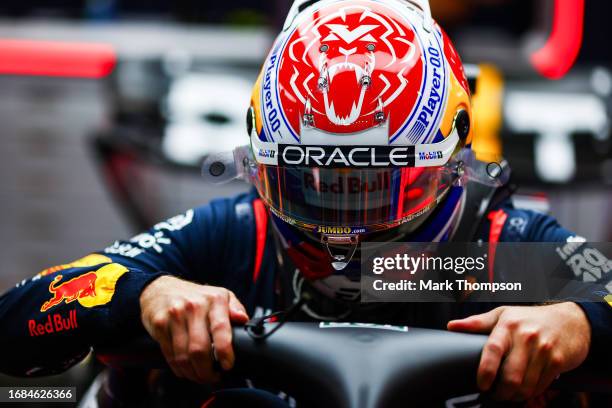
355,122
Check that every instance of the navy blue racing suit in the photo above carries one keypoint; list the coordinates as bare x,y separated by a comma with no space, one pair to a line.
51,321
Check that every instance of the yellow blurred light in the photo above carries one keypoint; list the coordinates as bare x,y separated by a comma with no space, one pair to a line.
487,112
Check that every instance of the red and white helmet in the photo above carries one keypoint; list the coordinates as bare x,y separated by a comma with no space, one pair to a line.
355,119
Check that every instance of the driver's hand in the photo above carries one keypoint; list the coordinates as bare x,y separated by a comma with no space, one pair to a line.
529,346
186,319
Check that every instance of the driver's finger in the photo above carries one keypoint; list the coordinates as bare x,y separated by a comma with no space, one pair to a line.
165,343
180,344
498,344
221,330
199,348
514,367
481,323
534,372
238,312
550,373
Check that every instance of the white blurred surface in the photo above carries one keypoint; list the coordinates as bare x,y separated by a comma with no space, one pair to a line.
149,39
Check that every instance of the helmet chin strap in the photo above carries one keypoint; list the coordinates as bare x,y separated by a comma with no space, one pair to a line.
348,243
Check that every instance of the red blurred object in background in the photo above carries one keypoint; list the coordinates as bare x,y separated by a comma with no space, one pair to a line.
58,59
559,53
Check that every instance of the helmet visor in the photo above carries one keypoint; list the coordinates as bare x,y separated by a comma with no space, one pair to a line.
321,198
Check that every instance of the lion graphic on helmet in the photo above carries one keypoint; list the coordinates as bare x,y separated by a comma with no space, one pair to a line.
345,66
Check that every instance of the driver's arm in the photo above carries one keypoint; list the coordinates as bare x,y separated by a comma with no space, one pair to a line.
50,322
530,346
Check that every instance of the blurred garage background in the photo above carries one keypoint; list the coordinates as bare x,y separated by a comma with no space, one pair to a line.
84,162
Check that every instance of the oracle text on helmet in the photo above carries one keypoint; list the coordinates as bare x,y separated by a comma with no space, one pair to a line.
347,156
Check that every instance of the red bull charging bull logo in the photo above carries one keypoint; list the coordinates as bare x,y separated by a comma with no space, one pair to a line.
89,260
90,289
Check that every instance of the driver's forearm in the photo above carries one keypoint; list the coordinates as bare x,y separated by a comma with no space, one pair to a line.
50,323
600,318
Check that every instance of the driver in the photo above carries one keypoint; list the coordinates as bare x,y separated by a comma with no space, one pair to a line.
358,124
